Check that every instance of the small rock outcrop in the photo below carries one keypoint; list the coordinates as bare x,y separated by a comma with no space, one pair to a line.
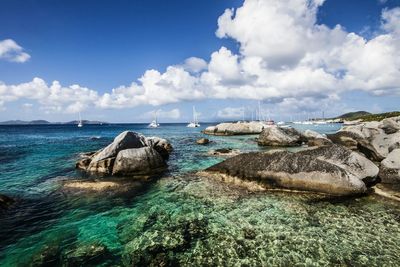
202,141
237,128
390,168
332,170
374,139
129,154
281,136
224,152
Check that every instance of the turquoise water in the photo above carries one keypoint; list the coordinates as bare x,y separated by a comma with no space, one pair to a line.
179,218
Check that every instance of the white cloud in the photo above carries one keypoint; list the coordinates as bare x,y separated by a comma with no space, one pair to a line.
11,51
284,55
53,98
230,113
195,64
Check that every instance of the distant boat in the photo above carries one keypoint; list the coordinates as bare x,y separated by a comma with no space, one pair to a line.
194,123
280,123
154,123
80,123
270,122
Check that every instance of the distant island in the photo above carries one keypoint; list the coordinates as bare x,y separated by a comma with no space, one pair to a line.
367,116
44,122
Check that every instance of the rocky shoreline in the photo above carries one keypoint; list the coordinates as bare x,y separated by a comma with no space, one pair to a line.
348,162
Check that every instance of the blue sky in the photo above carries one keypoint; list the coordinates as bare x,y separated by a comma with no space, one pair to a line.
102,45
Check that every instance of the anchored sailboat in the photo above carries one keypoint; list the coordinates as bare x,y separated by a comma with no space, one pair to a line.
154,123
194,123
80,123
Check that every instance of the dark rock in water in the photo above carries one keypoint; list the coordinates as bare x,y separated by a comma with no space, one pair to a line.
389,170
280,136
5,201
47,256
224,152
138,161
161,243
129,154
202,141
333,170
89,254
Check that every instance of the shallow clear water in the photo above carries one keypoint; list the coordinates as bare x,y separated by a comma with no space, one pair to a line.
179,218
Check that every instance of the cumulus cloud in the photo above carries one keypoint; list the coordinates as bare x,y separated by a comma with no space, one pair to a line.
195,64
53,98
284,55
230,113
11,51
163,114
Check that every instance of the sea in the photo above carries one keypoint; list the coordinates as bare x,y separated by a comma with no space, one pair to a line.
178,218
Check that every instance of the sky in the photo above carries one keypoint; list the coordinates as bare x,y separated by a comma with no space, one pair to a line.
120,61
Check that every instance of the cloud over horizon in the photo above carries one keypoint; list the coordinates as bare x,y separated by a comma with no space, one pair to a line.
284,55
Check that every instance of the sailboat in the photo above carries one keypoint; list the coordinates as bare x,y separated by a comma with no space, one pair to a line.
194,123
154,123
80,123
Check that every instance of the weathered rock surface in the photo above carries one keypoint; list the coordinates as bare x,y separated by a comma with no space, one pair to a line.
129,154
238,128
316,139
281,136
374,139
202,141
333,170
138,161
390,168
124,140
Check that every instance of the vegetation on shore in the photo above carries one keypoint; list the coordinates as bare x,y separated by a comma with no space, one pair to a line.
366,116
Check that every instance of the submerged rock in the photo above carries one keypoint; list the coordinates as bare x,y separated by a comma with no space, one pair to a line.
280,136
237,128
129,154
333,170
202,141
374,139
226,152
390,168
84,255
5,201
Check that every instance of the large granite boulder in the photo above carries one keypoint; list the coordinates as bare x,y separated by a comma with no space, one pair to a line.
280,136
161,145
390,168
332,170
142,160
374,139
316,139
238,128
123,141
130,153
